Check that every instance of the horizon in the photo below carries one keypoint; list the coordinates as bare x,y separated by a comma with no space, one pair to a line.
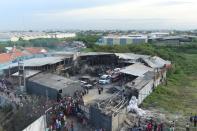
98,15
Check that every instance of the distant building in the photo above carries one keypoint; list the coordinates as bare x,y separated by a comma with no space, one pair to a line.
34,50
123,40
62,35
15,36
14,39
158,34
171,40
8,57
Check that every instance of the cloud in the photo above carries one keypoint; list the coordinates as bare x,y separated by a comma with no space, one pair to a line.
128,10
130,14
172,3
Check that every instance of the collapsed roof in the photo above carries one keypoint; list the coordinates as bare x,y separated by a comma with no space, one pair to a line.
136,69
156,62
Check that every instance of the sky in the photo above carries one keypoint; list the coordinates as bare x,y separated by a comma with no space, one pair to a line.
98,14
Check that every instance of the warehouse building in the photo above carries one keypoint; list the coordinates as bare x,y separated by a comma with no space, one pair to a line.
124,40
145,77
52,86
47,63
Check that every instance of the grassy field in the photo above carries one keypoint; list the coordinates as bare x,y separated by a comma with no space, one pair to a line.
180,95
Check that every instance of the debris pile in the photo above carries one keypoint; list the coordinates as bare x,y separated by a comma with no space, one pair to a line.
133,107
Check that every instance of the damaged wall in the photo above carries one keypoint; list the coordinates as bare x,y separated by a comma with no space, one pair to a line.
108,122
118,119
99,119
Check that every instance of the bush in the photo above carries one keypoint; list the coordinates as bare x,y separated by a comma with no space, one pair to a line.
7,108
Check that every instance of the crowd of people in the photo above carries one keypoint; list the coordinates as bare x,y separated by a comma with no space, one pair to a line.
60,116
153,125
149,125
8,94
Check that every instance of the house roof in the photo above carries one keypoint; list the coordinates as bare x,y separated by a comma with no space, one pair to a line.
7,57
34,50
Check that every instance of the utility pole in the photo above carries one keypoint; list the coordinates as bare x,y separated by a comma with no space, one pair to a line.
22,75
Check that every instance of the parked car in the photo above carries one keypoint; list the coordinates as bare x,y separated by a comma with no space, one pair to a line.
88,86
105,79
88,79
115,77
83,82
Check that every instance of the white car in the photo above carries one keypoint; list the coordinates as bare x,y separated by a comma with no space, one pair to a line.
105,79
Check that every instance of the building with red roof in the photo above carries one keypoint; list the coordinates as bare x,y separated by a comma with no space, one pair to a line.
35,50
8,57
15,53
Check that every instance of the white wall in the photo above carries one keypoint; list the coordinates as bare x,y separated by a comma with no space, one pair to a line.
147,90
38,125
144,92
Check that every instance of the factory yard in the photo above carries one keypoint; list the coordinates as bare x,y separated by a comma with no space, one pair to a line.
105,65
89,91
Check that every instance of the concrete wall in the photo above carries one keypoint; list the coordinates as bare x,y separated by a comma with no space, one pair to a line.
118,119
100,120
71,89
109,123
38,89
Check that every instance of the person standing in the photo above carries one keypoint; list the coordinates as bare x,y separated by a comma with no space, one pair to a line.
99,90
173,128
170,129
149,127
191,118
161,127
195,120
155,126
187,127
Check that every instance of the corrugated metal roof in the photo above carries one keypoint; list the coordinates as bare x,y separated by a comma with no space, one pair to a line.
28,73
94,53
54,81
156,62
136,69
130,56
37,62
140,82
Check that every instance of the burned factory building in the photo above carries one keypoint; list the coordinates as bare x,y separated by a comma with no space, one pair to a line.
100,84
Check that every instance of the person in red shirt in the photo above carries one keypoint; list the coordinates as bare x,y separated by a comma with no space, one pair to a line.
149,127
